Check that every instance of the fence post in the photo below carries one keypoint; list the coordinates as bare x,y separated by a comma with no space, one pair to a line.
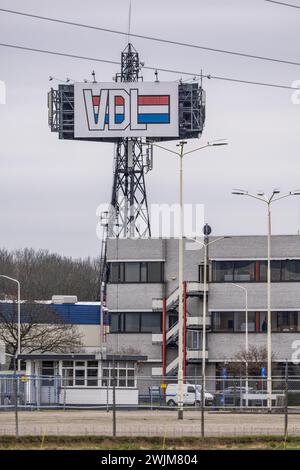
114,399
286,402
241,390
202,409
16,399
65,392
107,395
234,392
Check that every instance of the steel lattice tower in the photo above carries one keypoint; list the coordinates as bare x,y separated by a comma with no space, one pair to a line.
128,216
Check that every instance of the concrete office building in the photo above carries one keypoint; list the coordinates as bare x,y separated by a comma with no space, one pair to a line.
142,298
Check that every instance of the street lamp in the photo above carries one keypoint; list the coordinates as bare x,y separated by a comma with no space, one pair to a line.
261,196
14,356
182,154
246,330
204,245
19,313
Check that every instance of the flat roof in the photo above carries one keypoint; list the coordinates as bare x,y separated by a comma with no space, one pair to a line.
82,356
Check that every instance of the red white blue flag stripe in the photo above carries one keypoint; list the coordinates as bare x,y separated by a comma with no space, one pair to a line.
152,109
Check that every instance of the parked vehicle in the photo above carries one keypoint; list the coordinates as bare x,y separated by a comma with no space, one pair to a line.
191,395
231,396
240,396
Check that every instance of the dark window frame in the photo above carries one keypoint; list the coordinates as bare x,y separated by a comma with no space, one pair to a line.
122,323
262,278
292,321
120,276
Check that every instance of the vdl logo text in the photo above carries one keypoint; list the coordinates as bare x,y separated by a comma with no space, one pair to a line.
119,109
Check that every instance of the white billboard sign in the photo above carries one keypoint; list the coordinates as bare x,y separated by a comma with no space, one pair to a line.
126,109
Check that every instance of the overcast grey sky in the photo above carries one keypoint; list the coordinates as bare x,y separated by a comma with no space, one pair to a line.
50,189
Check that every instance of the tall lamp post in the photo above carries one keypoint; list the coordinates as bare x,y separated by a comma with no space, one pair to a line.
268,200
181,154
19,313
238,286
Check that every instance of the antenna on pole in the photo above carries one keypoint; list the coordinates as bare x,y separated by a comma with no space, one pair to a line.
129,23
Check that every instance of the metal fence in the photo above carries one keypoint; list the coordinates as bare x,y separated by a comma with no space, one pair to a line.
225,406
31,392
238,393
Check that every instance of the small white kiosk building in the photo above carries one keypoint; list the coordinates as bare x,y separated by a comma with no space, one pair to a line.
80,379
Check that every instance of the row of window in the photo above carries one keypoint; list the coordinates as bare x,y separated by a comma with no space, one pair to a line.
222,271
135,322
87,374
255,271
235,322
145,322
136,272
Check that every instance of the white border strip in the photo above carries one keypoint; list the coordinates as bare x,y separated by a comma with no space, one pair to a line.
131,310
215,310
286,258
131,260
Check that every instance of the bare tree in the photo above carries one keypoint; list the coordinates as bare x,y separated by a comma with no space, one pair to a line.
43,274
42,330
256,357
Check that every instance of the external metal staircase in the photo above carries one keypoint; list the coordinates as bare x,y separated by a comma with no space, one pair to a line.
193,289
194,325
191,356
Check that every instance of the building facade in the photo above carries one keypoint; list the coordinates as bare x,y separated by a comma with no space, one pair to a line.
142,298
86,316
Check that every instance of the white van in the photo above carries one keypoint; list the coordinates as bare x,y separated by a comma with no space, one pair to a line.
191,395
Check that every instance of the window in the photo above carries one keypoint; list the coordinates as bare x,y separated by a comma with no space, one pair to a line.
49,369
92,373
132,322
136,272
194,340
132,272
223,321
144,272
222,271
244,271
285,321
240,322
276,270
114,322
291,270
235,322
115,272
79,376
80,373
151,323
135,322
79,370
122,371
228,271
276,274
255,271
154,272
263,326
